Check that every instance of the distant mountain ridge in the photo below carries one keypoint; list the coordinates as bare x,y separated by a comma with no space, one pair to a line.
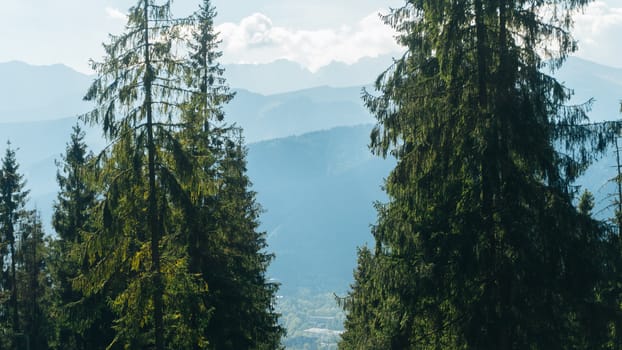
284,76
296,113
31,93
317,187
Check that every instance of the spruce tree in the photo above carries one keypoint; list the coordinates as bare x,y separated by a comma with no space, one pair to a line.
136,93
82,323
204,132
161,181
12,201
35,284
480,246
76,197
224,244
236,264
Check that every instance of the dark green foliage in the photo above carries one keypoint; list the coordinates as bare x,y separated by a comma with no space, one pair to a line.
224,245
235,267
12,201
73,202
81,323
205,74
617,197
136,94
26,285
480,246
188,263
586,203
35,285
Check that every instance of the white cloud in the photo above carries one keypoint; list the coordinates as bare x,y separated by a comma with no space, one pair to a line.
115,14
256,39
598,31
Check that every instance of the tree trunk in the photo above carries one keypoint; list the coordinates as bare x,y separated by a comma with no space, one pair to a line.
15,314
152,211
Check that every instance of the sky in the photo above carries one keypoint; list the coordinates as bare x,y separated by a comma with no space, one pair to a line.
311,33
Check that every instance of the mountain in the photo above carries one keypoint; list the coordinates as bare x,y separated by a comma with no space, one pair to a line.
268,78
317,187
265,105
318,190
295,113
30,93
591,80
310,165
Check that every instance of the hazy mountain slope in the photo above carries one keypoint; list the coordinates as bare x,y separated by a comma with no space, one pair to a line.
318,191
295,113
327,98
29,93
591,80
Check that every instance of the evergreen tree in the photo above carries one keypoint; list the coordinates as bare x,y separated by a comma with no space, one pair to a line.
35,285
586,203
204,133
171,206
82,323
235,266
136,94
75,198
12,202
617,180
224,245
480,246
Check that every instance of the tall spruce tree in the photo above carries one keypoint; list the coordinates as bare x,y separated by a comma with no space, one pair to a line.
480,246
236,263
12,201
136,93
224,244
76,197
82,323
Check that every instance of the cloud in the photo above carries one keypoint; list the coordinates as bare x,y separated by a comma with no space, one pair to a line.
115,14
256,39
597,29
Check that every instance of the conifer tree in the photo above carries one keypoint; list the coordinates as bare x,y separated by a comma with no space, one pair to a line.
204,132
136,94
35,285
236,264
12,201
224,244
82,323
617,180
161,182
480,246
75,198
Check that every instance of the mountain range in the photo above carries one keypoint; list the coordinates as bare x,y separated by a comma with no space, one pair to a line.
29,93
268,78
308,156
